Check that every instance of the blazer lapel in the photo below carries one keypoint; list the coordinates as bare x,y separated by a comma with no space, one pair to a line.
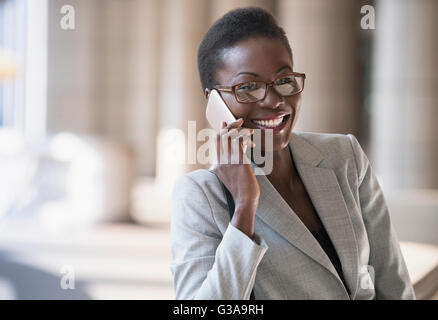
323,188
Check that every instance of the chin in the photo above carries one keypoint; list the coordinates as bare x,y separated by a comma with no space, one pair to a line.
280,141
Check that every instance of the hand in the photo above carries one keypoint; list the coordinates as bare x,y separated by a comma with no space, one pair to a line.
238,177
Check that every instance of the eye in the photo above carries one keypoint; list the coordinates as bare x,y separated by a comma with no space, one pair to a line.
286,80
249,86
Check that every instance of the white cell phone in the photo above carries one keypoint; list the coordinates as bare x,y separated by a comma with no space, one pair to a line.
217,111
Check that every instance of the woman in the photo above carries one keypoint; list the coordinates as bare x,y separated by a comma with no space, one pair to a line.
316,227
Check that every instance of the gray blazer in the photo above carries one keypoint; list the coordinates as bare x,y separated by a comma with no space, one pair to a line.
211,259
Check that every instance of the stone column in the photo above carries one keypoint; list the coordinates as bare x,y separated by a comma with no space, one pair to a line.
103,75
324,40
184,23
404,132
143,76
72,80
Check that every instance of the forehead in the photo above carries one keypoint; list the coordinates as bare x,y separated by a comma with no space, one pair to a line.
262,56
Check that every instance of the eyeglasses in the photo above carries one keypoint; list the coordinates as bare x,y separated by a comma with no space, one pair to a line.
253,91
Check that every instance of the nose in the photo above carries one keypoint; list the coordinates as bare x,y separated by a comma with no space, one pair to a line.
272,99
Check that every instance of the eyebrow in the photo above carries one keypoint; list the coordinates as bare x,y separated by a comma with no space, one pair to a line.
256,75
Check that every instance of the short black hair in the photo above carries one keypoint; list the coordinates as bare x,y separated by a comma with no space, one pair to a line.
235,26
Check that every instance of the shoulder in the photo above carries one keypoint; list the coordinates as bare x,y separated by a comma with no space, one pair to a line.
197,181
201,186
338,149
328,143
198,199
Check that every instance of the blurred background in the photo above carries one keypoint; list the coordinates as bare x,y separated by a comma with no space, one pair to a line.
96,94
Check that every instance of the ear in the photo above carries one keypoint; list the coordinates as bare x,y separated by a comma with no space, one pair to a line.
207,93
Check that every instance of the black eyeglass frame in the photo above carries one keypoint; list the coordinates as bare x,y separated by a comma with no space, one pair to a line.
232,89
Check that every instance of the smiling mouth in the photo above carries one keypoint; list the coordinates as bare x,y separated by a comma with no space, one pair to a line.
271,124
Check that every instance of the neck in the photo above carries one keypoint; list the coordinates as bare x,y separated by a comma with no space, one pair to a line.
283,168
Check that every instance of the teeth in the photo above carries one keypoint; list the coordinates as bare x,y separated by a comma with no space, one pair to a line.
269,123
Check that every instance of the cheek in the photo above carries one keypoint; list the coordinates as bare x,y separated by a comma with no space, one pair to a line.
295,102
237,109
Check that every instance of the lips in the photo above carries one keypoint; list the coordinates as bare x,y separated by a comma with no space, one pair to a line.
271,121
272,116
277,124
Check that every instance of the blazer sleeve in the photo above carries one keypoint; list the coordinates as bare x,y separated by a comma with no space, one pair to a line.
391,278
205,263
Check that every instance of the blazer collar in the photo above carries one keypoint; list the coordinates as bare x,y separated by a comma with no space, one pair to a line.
326,195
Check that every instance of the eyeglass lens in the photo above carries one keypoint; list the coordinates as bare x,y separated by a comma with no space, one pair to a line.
255,90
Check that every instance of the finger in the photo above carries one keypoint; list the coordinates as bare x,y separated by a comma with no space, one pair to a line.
240,130
222,127
236,151
235,124
246,140
249,141
225,128
245,131
237,132
221,151
231,147
230,134
244,144
223,131
225,147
